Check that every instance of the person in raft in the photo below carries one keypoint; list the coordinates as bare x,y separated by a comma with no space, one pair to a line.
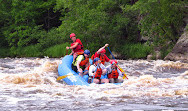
76,46
114,74
101,54
103,58
81,63
96,70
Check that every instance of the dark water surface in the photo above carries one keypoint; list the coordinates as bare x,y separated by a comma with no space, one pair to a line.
30,84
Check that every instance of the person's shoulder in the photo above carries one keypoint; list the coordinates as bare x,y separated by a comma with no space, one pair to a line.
108,67
80,56
105,55
101,65
91,67
96,54
78,40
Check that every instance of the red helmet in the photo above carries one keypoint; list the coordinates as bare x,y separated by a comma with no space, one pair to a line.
113,62
72,35
103,51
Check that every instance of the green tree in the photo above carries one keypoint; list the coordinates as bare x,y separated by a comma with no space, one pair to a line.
23,23
161,20
97,22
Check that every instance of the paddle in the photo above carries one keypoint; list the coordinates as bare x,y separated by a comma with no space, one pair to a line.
96,69
91,79
125,76
64,76
66,51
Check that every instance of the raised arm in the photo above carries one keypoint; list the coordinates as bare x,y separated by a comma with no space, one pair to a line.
106,45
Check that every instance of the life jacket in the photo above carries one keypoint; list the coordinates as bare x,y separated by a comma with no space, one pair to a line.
92,57
98,73
79,47
88,67
114,74
80,53
102,58
83,62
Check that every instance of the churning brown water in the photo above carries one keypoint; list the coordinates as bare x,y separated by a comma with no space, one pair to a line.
30,84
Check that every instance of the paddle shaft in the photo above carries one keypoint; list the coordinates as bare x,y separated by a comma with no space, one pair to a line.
96,69
66,51
117,65
121,70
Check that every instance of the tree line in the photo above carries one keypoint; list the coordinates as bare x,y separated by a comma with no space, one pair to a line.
37,28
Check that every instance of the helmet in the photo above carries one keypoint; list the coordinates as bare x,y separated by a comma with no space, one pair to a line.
87,52
113,62
96,59
72,35
103,51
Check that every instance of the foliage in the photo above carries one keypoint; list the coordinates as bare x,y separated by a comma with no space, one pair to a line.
4,52
132,50
48,39
29,51
94,21
57,50
42,27
161,20
20,20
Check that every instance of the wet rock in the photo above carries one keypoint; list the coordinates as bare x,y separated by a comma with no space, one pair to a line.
180,50
158,55
149,57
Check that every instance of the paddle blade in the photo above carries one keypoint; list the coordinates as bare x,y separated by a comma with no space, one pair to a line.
124,76
62,77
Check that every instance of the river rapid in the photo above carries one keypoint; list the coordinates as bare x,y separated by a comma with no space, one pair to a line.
29,84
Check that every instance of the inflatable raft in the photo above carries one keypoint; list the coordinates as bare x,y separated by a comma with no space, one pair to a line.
74,78
65,69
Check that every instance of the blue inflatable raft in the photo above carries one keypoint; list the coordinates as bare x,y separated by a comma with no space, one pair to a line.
65,69
74,78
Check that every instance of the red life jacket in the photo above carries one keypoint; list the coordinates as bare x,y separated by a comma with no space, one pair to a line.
102,58
92,57
98,73
84,62
88,67
78,48
113,74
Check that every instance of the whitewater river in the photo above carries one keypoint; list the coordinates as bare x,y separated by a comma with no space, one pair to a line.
29,84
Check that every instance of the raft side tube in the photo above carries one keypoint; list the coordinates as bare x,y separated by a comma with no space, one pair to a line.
65,68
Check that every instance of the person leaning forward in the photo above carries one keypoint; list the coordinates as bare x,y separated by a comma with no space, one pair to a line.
76,46
81,63
96,71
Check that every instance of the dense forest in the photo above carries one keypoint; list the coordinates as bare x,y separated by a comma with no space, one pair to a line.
133,28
